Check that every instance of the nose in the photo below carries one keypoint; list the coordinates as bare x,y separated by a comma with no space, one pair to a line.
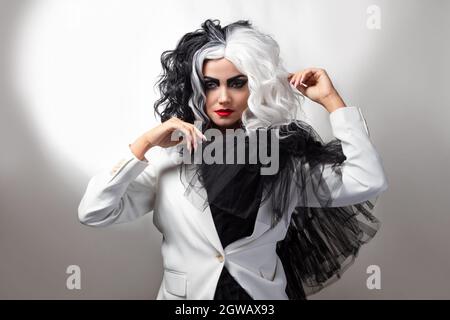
224,97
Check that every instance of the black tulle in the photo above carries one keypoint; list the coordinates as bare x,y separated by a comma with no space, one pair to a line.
321,242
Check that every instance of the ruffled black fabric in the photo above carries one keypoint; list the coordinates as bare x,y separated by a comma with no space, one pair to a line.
321,242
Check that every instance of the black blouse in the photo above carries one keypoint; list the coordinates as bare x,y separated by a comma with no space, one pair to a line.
231,227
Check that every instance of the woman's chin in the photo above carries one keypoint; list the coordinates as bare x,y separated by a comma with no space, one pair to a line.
226,123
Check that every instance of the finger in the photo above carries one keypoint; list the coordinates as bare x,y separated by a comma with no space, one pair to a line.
294,77
302,90
309,77
192,140
193,136
306,76
316,73
297,80
196,130
302,81
200,134
186,135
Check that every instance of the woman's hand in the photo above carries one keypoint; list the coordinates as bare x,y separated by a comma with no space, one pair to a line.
171,132
315,84
167,134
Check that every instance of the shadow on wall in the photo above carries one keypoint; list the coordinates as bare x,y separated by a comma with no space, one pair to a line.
40,235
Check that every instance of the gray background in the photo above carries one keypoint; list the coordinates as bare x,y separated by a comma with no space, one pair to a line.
401,86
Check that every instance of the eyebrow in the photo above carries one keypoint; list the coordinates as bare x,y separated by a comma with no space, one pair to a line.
228,80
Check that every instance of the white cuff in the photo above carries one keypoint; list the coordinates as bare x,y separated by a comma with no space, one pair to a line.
129,166
348,118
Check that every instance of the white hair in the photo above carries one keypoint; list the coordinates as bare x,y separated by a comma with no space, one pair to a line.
272,100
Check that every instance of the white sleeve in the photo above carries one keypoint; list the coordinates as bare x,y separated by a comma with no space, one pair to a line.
362,175
120,194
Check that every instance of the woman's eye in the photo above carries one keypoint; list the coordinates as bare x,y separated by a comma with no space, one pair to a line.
235,84
209,85
238,84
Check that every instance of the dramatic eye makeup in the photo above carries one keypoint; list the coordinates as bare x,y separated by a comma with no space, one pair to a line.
234,82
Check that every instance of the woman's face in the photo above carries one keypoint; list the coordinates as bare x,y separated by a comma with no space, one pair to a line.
226,91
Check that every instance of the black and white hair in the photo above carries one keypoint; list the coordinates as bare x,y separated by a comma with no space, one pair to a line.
321,242
272,100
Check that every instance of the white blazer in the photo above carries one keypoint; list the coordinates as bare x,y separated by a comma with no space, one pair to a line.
192,253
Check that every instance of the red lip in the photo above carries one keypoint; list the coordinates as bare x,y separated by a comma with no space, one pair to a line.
224,112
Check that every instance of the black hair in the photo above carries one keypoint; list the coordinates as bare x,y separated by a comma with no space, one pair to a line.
174,84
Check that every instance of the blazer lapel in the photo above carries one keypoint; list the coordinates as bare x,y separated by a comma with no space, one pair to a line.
199,199
204,216
262,224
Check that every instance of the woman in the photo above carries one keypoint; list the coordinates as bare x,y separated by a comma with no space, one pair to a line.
230,231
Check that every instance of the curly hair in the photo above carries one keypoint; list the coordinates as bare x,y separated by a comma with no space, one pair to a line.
272,100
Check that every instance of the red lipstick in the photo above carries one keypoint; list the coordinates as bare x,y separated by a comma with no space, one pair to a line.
224,112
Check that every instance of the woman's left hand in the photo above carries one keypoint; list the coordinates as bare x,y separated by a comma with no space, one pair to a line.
315,84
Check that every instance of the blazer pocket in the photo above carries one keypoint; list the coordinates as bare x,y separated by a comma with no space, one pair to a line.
175,282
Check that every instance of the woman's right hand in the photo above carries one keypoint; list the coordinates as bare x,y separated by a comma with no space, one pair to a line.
171,133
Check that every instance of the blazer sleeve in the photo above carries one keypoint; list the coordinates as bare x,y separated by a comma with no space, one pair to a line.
361,176
120,194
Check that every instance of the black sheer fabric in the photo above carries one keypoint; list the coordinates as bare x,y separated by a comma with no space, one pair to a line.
321,242
232,227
